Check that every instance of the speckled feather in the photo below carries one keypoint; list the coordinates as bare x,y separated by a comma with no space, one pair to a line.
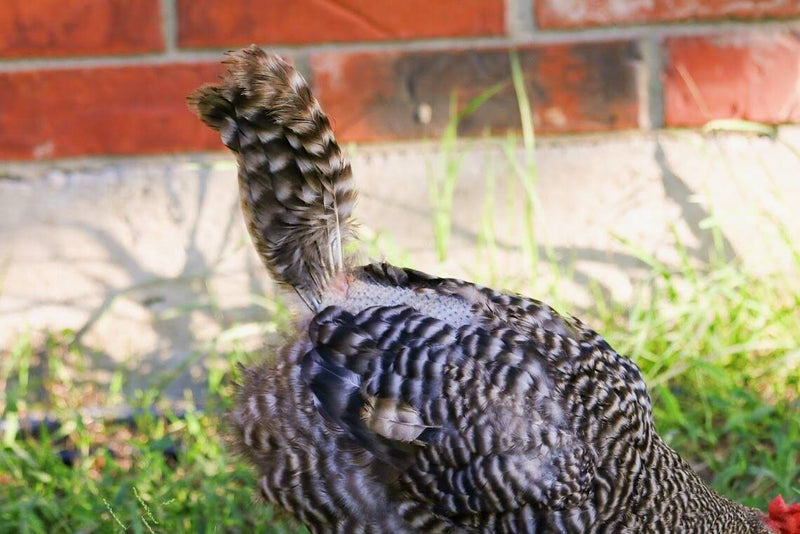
409,403
295,185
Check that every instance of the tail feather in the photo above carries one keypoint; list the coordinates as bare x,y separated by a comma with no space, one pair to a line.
295,184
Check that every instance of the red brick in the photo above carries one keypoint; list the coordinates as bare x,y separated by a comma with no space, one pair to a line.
578,13
573,88
752,76
220,23
129,110
79,27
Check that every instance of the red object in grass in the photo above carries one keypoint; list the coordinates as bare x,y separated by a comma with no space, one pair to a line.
783,519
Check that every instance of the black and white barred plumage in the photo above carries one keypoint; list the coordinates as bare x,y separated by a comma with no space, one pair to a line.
295,186
410,403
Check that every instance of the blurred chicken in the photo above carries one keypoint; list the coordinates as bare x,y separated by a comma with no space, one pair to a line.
410,403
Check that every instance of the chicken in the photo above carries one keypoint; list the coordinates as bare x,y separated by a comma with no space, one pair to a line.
404,402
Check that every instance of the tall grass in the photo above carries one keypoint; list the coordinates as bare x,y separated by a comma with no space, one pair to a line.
525,171
445,175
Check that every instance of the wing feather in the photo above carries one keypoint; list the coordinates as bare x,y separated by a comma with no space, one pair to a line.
470,416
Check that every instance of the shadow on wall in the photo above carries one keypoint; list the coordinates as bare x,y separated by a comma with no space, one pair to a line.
149,263
179,304
109,239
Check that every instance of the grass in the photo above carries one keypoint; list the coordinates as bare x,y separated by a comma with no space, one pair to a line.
154,468
721,353
720,349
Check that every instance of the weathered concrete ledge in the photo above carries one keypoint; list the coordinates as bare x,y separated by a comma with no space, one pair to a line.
147,258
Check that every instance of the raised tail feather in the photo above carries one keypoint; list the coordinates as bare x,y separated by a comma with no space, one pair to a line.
296,187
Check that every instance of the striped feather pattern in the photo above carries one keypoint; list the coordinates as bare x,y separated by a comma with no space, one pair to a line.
295,184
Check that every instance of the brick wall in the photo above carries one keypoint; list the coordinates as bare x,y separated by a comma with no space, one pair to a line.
90,77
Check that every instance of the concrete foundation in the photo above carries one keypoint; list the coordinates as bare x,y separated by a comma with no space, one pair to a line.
148,260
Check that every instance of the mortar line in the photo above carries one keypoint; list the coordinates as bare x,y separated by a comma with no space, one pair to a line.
169,26
433,45
519,20
38,169
654,63
509,14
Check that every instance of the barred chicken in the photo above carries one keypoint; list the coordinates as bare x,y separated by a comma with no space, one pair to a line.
409,403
